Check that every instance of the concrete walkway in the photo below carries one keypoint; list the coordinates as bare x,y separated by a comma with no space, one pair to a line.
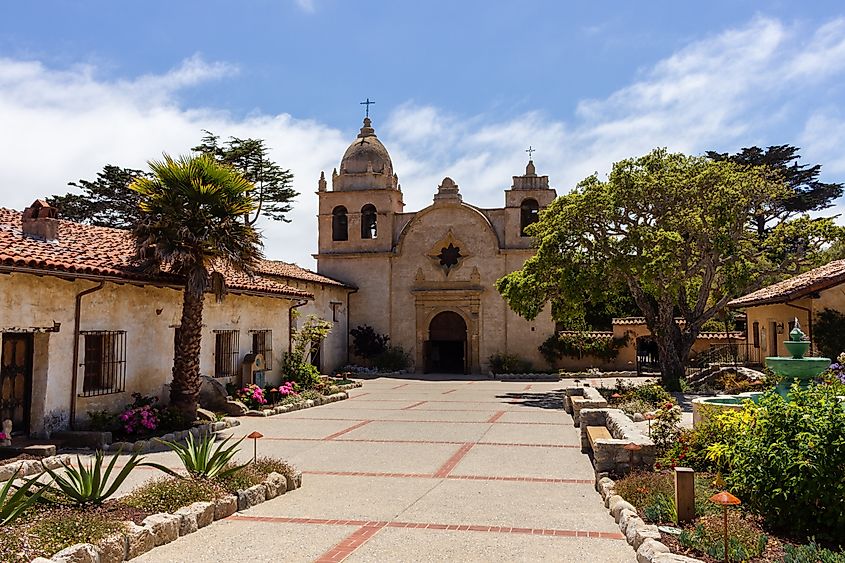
415,470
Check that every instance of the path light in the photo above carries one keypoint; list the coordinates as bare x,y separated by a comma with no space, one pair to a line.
649,417
632,447
725,499
616,396
254,436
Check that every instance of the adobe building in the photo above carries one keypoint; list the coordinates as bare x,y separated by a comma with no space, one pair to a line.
426,278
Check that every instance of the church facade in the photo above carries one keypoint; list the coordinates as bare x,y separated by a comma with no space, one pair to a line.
427,278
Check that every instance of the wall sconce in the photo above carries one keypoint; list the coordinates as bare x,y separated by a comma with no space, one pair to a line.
779,327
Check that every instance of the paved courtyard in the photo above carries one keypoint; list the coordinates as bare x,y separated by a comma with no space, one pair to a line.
410,470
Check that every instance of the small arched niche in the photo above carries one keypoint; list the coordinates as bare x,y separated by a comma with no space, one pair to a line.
340,223
369,222
529,212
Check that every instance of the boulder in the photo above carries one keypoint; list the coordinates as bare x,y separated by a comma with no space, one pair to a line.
112,549
235,408
139,540
213,394
225,507
276,485
165,527
649,550
252,496
79,553
206,415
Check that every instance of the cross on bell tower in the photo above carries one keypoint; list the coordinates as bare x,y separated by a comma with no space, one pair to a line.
367,103
530,150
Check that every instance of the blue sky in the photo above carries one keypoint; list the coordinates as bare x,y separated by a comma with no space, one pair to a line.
461,88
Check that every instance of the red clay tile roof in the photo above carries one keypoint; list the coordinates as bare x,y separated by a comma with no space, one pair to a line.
101,251
292,271
796,287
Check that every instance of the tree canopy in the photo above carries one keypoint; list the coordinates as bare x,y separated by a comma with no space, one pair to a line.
109,202
675,230
806,193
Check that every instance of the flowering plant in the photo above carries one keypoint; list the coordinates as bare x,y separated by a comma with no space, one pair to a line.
139,420
837,369
286,389
252,396
3,436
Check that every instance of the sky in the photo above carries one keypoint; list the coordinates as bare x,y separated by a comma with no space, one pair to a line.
462,88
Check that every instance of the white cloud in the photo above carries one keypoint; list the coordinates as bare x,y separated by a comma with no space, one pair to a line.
306,5
757,84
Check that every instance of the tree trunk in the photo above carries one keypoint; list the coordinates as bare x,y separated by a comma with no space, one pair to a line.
674,347
185,387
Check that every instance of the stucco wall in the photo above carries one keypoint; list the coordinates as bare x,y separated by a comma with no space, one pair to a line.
149,316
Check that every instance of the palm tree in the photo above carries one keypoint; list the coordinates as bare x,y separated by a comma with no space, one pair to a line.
192,227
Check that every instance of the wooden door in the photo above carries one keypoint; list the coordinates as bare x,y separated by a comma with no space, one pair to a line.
16,380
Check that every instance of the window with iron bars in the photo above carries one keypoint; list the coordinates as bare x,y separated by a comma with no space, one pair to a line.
226,353
262,343
104,362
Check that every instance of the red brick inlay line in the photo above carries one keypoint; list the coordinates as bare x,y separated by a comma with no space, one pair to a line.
434,442
433,526
430,421
345,430
350,543
412,406
400,386
450,464
358,396
438,475
527,387
449,391
496,416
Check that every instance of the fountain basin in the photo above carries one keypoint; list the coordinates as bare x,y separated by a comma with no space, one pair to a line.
704,407
797,368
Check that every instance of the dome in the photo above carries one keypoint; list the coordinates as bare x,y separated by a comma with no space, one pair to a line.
366,154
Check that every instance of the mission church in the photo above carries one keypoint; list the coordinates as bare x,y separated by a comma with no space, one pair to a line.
427,278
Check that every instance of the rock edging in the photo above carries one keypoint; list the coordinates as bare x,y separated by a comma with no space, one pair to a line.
163,528
525,376
299,405
644,538
27,467
153,445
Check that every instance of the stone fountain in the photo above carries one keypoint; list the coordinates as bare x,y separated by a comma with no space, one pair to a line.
791,370
796,369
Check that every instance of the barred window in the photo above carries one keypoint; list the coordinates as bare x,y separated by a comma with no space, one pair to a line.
104,362
262,343
226,353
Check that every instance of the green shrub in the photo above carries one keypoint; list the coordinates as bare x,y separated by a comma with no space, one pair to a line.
15,500
581,344
88,483
745,539
653,394
367,343
103,421
57,530
254,473
785,462
169,495
693,446
653,493
811,553
509,363
202,460
829,332
394,358
666,427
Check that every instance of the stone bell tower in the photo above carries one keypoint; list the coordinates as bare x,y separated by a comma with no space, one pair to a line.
523,201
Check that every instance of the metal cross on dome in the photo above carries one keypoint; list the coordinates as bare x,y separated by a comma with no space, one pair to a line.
367,103
530,150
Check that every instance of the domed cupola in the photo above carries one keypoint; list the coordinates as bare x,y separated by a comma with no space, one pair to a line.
366,164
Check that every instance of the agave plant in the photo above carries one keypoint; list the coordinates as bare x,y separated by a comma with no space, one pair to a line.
14,504
88,483
201,459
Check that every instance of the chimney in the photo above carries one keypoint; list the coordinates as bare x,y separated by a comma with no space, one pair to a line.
41,221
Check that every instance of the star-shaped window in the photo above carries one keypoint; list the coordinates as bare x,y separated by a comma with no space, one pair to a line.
449,255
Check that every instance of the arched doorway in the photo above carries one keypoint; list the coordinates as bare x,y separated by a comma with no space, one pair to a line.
446,348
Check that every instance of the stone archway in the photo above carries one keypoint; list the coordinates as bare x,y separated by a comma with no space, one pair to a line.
446,347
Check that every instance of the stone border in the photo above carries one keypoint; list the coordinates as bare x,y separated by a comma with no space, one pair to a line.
525,376
163,528
644,538
152,445
29,467
578,398
299,405
610,455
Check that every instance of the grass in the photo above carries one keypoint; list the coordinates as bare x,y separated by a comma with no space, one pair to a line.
58,529
170,494
254,474
746,540
653,494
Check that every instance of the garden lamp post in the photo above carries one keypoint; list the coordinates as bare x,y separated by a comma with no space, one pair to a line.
616,397
725,499
632,447
649,417
254,436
